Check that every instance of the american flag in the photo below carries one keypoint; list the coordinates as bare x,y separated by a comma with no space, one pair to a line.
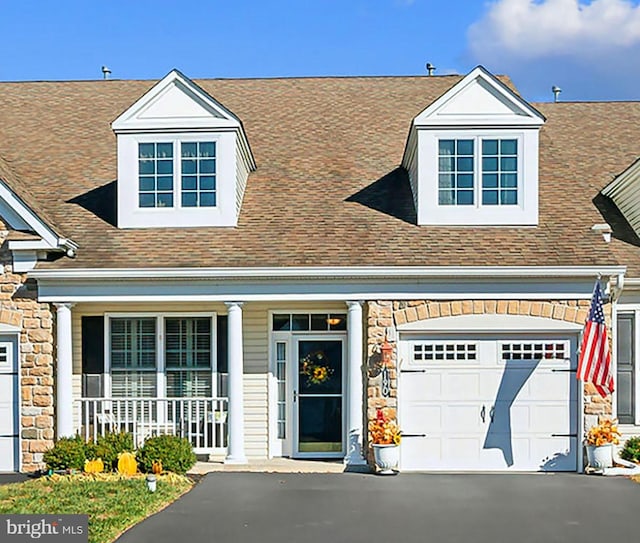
594,363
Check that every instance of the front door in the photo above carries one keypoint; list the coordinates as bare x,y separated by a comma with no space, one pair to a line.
318,397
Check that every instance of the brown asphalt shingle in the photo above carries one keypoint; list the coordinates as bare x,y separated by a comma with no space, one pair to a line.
328,190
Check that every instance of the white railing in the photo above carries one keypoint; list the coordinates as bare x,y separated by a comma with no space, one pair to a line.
203,421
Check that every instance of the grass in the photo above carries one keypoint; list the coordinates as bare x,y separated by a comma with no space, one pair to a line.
113,503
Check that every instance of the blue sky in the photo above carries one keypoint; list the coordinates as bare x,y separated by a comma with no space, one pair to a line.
591,49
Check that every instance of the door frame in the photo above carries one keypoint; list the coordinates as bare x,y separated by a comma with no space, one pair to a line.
283,447
293,377
406,335
12,336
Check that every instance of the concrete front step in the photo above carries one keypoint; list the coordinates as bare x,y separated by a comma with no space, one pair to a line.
273,465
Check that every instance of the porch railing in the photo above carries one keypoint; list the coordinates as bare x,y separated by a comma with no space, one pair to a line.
203,421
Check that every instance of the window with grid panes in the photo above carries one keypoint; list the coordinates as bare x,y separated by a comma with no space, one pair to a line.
188,356
133,357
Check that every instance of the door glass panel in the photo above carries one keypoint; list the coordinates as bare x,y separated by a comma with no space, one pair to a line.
320,396
320,367
320,424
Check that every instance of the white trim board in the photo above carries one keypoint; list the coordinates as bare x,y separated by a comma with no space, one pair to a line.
310,290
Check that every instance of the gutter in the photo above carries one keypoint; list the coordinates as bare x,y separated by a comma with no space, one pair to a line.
357,272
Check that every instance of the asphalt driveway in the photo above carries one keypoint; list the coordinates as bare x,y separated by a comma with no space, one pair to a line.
354,508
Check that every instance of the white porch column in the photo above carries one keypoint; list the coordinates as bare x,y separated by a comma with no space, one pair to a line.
64,372
354,455
235,450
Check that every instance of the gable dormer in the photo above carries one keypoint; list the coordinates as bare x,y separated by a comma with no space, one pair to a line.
183,159
472,156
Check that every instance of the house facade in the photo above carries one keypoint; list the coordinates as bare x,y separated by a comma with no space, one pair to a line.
226,259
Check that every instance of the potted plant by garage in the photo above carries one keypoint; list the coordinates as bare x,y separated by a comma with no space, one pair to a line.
599,442
385,441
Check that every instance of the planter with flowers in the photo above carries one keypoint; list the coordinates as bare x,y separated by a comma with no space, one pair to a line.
599,443
385,441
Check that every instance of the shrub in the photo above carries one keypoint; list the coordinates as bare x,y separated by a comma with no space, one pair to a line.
67,453
110,446
631,450
174,452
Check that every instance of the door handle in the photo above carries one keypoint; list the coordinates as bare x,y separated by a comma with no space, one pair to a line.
295,396
492,412
483,413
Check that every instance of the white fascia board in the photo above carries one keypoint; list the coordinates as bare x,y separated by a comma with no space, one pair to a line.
221,117
530,116
363,272
28,216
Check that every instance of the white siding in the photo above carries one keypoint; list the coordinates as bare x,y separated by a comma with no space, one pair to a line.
410,162
242,173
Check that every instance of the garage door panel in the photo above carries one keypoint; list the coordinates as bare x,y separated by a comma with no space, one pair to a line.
426,417
461,418
422,385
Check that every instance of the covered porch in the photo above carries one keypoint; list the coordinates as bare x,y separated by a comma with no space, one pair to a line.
227,376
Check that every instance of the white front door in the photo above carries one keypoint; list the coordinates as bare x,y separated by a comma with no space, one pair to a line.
9,407
478,403
318,399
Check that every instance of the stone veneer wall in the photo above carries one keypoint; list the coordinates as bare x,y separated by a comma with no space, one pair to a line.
384,316
19,307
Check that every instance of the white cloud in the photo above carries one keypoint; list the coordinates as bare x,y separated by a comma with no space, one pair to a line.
562,36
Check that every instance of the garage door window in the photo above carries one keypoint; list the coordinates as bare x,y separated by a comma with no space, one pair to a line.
534,351
444,351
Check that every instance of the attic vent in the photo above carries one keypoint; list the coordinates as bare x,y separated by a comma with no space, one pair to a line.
556,92
106,72
430,68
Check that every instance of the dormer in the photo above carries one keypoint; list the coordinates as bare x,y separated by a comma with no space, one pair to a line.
472,156
183,159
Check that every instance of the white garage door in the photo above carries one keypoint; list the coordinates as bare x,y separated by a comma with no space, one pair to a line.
9,446
477,403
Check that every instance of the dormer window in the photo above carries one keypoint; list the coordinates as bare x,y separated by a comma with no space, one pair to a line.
460,166
183,159
472,156
159,186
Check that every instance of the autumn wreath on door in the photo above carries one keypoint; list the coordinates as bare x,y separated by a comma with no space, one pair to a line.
315,366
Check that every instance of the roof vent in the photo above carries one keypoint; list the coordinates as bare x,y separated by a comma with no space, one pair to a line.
106,72
556,92
604,229
430,68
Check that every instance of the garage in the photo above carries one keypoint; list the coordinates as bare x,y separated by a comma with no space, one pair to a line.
487,403
9,395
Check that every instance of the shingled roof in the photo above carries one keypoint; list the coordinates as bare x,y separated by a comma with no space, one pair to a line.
328,190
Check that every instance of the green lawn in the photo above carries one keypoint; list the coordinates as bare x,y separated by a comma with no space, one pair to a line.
112,503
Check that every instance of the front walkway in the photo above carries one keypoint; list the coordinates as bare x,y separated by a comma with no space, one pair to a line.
409,508
274,465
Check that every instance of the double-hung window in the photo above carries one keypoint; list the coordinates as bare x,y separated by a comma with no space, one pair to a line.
162,356
133,357
478,171
177,173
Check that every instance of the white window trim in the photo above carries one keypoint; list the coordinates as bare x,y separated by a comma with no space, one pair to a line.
160,354
131,215
177,142
478,171
635,310
524,213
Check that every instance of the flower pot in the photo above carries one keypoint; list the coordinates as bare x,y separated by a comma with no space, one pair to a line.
601,456
386,458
